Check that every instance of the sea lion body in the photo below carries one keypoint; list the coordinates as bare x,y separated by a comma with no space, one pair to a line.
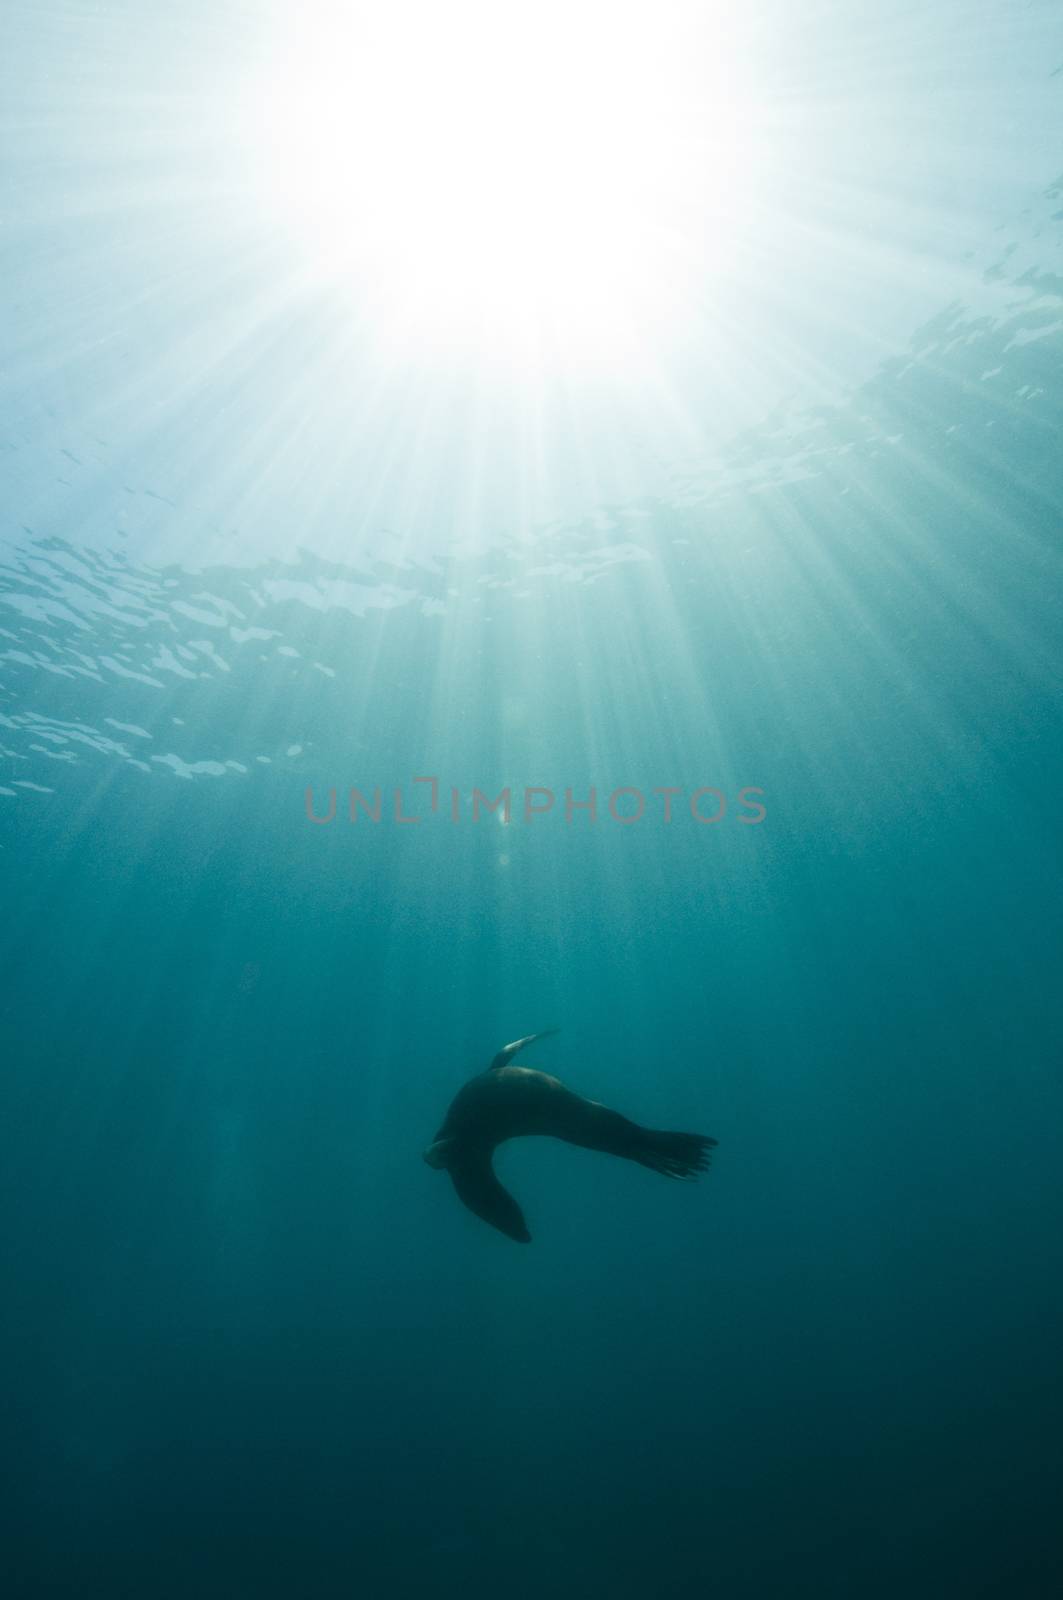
508,1102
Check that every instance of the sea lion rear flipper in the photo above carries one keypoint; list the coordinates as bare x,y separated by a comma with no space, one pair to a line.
595,1127
675,1155
479,1189
508,1051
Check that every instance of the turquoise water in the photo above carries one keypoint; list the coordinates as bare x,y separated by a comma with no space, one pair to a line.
252,1344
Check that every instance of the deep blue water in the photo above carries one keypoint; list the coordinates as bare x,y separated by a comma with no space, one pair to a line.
251,1344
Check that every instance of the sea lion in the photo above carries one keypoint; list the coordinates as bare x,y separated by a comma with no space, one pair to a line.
508,1102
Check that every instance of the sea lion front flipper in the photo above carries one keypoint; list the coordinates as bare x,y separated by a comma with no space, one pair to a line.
479,1189
508,1051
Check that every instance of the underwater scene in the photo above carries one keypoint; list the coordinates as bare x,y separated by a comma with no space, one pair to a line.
531,650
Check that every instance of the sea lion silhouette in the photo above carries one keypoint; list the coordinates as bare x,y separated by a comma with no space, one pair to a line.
508,1102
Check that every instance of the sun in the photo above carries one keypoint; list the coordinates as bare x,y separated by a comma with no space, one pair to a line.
502,176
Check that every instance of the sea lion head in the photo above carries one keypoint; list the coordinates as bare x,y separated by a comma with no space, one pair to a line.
438,1154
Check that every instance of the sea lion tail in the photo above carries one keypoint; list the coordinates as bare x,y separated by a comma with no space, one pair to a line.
675,1155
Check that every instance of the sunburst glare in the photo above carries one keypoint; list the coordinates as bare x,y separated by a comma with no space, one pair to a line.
487,177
